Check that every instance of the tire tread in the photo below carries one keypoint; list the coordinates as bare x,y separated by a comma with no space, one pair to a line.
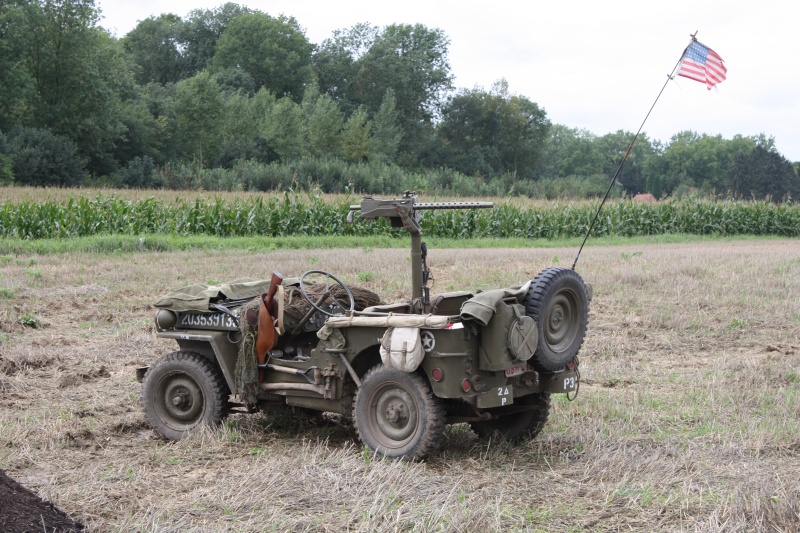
435,416
538,292
220,392
525,430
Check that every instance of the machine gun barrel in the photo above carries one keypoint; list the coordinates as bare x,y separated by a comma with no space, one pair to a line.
373,208
453,205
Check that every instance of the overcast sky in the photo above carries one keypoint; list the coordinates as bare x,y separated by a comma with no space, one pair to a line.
597,65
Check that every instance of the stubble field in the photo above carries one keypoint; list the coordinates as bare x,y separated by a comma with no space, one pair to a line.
688,417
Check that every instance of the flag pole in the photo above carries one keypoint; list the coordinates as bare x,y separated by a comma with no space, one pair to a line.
628,151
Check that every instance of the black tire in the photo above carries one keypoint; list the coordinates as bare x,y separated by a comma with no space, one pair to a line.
516,426
397,415
183,391
558,302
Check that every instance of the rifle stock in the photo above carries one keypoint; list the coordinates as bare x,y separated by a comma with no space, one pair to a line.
267,335
274,282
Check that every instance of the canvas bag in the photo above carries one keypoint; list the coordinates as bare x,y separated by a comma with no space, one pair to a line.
401,348
508,339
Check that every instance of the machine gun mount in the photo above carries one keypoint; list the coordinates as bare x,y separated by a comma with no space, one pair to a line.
406,212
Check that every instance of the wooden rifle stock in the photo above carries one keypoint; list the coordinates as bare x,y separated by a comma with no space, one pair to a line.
267,336
277,279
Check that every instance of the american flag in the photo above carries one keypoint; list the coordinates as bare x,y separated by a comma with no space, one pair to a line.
701,63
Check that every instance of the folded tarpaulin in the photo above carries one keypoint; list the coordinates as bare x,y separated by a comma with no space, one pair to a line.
199,297
482,306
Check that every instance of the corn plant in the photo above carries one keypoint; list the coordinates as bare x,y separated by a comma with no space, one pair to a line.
311,214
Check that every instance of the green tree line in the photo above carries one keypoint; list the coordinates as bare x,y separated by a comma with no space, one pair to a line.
232,97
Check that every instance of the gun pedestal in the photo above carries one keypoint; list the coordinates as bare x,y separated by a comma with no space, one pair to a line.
405,213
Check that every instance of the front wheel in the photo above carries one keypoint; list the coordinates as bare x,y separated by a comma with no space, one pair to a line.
397,415
524,419
183,391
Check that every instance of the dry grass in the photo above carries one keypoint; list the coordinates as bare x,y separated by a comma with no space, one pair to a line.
688,417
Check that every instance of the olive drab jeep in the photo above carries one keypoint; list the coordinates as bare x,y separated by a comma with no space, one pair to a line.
400,372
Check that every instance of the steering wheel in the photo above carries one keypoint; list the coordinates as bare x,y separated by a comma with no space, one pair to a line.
306,281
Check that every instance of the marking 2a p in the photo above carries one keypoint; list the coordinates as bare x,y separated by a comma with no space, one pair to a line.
505,393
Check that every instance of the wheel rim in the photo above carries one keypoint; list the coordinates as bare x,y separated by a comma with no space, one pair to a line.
394,418
561,321
182,402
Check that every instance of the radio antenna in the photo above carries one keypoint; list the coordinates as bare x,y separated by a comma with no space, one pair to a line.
627,153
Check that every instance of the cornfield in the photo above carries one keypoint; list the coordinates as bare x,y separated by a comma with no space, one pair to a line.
293,214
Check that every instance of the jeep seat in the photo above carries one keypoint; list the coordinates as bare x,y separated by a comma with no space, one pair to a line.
449,303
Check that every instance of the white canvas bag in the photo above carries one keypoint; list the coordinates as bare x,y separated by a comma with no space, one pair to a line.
401,348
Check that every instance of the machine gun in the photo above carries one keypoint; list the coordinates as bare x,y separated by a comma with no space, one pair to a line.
406,213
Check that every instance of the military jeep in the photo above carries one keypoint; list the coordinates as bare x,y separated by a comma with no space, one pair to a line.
400,372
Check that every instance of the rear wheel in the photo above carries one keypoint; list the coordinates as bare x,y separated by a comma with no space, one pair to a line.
514,424
183,391
558,302
397,415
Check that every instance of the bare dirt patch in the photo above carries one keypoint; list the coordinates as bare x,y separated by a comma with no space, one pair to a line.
24,512
688,417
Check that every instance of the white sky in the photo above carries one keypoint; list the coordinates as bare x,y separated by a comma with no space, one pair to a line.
597,65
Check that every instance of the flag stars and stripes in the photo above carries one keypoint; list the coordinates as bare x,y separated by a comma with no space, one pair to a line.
701,63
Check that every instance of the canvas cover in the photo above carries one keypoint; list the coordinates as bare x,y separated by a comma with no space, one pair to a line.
198,297
508,339
481,307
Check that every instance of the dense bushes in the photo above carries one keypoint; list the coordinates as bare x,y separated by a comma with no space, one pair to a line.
41,158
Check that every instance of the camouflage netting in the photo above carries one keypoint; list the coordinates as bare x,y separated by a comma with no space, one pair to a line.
246,373
296,306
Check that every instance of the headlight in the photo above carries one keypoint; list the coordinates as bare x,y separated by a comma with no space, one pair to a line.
166,319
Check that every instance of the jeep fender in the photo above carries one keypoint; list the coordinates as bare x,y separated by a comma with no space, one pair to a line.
214,345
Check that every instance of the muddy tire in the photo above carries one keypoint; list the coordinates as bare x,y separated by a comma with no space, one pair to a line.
558,302
520,425
183,391
397,415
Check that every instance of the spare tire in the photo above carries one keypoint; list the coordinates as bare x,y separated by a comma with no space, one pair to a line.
557,300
